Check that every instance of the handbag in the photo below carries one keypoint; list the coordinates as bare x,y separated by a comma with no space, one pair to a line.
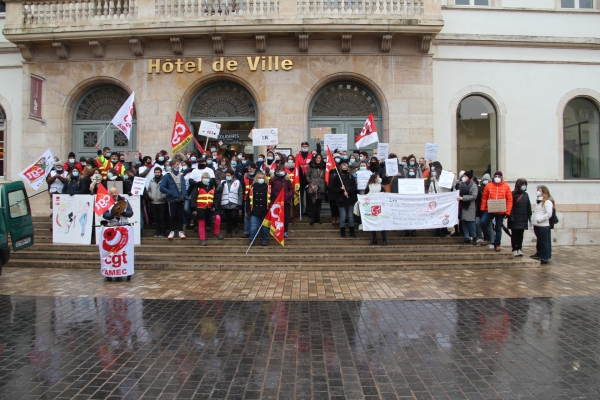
388,186
313,188
553,219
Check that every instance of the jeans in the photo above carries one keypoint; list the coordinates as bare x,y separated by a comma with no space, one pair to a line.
176,215
543,245
159,211
486,227
347,211
255,225
478,227
246,224
469,229
516,239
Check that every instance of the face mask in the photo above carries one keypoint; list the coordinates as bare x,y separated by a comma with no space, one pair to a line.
433,168
290,164
252,173
234,163
96,176
228,177
352,162
282,173
125,177
59,170
161,159
193,158
107,155
71,160
184,168
89,167
434,174
337,160
206,181
277,158
201,166
344,171
411,173
403,163
305,150
344,157
465,179
137,163
379,180
175,169
209,162
110,175
168,169
261,159
122,160
212,149
75,174
497,180
539,194
268,158
524,188
114,161
540,198
485,182
261,181
412,163
363,168
244,162
362,159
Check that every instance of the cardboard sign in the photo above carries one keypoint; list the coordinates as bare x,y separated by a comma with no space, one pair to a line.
338,141
319,133
265,137
72,218
209,129
132,155
117,251
495,206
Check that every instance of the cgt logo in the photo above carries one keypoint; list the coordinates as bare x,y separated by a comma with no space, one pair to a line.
116,260
115,239
375,210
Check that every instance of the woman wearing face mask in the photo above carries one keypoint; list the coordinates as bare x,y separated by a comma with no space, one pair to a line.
281,181
231,193
111,176
206,206
160,160
374,166
352,164
258,205
128,181
186,173
520,216
222,169
95,180
468,194
541,224
374,186
271,162
343,191
316,175
71,164
75,185
260,164
412,163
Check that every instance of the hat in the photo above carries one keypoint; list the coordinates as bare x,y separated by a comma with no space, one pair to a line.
499,173
202,159
486,177
469,174
460,174
82,158
304,143
59,163
71,155
336,155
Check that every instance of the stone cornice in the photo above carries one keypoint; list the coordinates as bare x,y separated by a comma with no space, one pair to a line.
516,41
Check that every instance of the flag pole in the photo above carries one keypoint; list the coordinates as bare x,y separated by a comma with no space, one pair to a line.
107,126
255,236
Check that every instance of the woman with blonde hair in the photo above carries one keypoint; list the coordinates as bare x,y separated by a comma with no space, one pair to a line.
541,224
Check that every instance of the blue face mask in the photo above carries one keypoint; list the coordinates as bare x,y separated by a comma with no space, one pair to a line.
268,158
363,168
212,149
193,158
251,173
234,163
206,181
403,163
110,175
125,177
261,159
434,174
524,188
281,173
161,159
261,181
305,150
175,169
244,161
184,168
379,180
107,155
75,174
168,169
412,163
209,162
228,177
411,173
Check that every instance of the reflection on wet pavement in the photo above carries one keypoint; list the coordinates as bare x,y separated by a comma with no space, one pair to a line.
64,347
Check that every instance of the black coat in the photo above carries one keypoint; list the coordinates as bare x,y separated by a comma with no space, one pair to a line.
259,201
521,211
337,194
74,186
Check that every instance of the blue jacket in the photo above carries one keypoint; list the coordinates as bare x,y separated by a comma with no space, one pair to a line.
74,186
169,187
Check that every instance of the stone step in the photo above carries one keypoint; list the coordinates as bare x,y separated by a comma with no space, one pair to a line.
282,265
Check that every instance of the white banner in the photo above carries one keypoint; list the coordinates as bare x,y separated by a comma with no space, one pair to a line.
336,141
209,129
123,119
392,212
135,203
116,251
36,173
411,186
265,137
72,218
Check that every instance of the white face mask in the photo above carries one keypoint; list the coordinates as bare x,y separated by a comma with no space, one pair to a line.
540,194
497,180
465,179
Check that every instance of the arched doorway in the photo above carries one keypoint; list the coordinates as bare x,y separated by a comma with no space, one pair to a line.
230,105
344,107
477,141
92,115
581,135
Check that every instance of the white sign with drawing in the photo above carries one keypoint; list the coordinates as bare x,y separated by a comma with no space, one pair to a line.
72,218
336,141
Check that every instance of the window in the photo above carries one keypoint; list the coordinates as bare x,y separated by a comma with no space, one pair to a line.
2,139
581,140
2,6
17,204
577,4
472,2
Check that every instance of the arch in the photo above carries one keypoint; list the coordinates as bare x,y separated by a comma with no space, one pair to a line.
493,97
100,103
6,125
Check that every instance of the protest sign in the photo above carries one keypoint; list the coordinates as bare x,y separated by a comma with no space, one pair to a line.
72,218
362,178
411,186
337,141
431,151
131,155
383,150
319,133
391,166
392,212
265,137
137,188
116,251
209,129
36,173
446,180
134,201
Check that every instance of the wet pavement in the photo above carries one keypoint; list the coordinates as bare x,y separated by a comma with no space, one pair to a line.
84,347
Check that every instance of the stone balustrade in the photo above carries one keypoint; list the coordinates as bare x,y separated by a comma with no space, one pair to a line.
82,11
194,9
350,8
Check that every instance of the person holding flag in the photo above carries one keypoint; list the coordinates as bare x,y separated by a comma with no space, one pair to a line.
280,182
343,192
259,200
303,159
316,186
276,220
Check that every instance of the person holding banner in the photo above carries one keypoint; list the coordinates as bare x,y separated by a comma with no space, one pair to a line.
433,186
281,181
316,186
258,205
496,204
205,207
374,186
303,159
342,189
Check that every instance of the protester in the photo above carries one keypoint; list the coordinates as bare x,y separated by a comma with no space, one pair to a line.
259,201
206,207
106,160
75,185
222,169
279,182
541,224
485,179
303,159
56,180
158,203
412,163
125,215
187,173
172,185
520,217
374,186
231,193
425,169
343,193
71,163
316,179
247,181
496,190
374,166
468,196
95,181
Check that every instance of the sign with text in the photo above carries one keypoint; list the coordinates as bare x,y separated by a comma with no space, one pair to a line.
391,166
36,173
319,133
229,138
116,251
337,141
383,150
362,178
138,186
131,155
209,129
431,151
265,137
446,180
35,97
411,186
135,203
392,212
72,218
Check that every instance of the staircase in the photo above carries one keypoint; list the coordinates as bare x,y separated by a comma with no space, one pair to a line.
309,248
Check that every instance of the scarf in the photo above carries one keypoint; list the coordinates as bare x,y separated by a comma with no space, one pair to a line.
374,188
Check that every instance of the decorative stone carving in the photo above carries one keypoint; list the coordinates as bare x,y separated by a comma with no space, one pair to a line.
426,43
386,43
27,51
344,99
97,48
101,104
303,42
223,101
62,50
177,45
346,42
261,43
218,43
137,46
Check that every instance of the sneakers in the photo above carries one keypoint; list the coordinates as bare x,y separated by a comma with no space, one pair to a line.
467,241
171,235
535,256
157,235
490,247
519,253
497,248
228,235
219,237
515,253
360,227
479,241
181,235
203,243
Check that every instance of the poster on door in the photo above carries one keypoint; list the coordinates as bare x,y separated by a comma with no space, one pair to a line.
116,251
72,218
135,203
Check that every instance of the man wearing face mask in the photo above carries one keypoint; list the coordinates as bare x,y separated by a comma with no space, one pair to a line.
279,182
485,179
173,185
231,194
303,159
106,160
158,203
498,189
56,180
196,174
71,164
247,180
343,192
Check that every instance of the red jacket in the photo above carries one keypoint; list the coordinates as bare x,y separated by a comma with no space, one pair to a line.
278,184
497,191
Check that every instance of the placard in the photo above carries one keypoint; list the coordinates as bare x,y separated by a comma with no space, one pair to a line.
72,218
131,155
117,251
118,184
135,203
265,137
494,206
392,212
319,133
209,129
285,151
383,150
431,151
137,188
362,179
446,180
338,141
411,186
391,166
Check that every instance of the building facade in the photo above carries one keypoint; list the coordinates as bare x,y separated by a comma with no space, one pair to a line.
497,84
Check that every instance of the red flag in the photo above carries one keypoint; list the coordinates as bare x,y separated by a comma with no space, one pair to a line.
275,219
330,164
103,201
201,150
368,134
181,135
296,185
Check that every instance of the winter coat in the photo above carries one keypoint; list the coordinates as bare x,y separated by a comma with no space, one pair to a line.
205,213
337,194
260,204
497,191
316,173
478,201
278,184
469,212
74,186
240,195
128,213
542,214
169,187
156,196
220,173
521,211
418,172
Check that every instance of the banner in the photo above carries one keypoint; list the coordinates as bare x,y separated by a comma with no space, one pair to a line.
392,212
136,206
35,97
275,219
116,251
72,218
103,201
368,134
36,173
209,129
123,119
265,137
181,135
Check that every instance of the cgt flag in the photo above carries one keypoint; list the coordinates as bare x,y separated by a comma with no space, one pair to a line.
181,135
36,173
275,219
123,119
296,185
368,134
103,201
330,164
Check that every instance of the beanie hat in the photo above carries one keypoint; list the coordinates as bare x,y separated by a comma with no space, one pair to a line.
499,173
486,177
82,158
469,174
304,144
71,155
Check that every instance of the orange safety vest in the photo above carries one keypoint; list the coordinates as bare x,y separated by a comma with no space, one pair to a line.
246,186
105,165
205,199
268,197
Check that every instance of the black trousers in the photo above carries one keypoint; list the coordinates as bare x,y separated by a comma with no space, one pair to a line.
230,216
517,239
159,211
176,215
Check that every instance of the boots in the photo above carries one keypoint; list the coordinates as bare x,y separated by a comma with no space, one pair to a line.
352,235
312,220
343,232
374,241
